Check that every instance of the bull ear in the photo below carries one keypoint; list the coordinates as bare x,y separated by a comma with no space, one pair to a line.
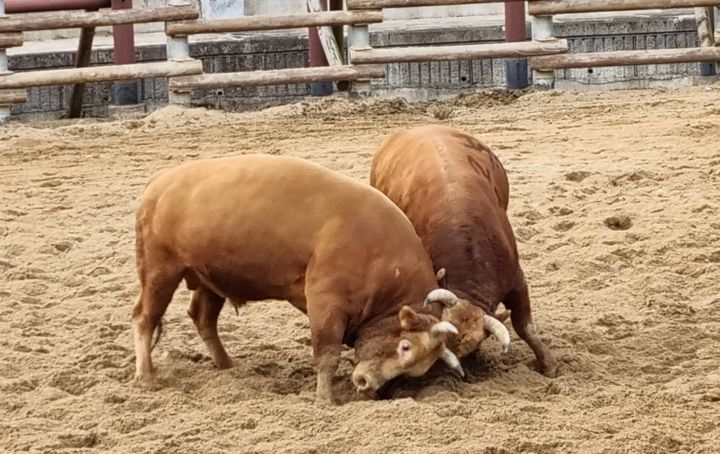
412,321
408,319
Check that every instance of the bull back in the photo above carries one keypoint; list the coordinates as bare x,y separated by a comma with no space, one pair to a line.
455,191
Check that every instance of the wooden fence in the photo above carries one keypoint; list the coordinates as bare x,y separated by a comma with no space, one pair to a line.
13,85
178,32
181,17
542,12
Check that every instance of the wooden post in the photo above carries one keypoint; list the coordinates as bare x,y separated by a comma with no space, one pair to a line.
178,48
103,73
11,97
551,7
273,22
457,52
379,4
81,60
625,58
703,19
4,109
277,77
76,19
542,30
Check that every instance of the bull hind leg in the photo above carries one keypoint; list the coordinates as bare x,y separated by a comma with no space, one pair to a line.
518,301
158,280
204,309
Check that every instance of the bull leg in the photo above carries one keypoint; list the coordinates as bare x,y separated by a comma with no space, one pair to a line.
204,309
518,301
158,287
327,329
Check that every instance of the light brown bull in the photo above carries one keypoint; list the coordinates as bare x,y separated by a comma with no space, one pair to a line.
455,192
259,227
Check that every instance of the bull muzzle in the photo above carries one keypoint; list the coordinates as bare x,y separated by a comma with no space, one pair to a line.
364,382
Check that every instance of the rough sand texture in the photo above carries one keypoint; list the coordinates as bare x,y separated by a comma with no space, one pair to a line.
633,315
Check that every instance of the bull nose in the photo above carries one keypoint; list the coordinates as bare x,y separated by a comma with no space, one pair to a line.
362,382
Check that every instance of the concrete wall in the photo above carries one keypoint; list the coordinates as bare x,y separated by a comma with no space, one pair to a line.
218,9
254,51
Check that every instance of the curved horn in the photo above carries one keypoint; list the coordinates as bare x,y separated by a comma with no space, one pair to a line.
453,362
443,327
441,295
496,327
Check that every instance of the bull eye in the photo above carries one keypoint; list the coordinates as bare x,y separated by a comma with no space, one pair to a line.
405,346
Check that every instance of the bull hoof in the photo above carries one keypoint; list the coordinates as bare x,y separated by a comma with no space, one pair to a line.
324,396
224,364
550,370
325,401
145,381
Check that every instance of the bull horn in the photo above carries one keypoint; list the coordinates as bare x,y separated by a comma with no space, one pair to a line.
441,295
443,327
495,326
440,274
453,362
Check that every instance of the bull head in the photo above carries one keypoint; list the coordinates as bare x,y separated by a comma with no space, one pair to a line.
386,353
473,323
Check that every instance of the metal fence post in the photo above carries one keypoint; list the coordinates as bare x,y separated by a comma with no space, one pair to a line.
178,48
4,110
542,30
358,38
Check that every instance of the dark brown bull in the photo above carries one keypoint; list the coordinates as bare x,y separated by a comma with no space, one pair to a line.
455,192
262,227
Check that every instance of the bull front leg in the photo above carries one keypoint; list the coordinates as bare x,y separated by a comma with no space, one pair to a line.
327,329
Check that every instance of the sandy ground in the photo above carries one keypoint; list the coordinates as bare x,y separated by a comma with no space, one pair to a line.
614,198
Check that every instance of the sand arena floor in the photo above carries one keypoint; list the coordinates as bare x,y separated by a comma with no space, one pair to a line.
614,199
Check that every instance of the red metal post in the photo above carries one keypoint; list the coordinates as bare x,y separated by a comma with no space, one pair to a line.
316,57
516,70
126,92
339,32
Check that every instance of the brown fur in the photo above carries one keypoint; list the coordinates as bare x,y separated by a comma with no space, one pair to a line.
456,193
262,227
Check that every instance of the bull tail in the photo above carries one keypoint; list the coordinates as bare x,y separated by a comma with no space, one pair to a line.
158,333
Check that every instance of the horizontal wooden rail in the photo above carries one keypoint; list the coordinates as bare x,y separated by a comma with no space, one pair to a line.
626,58
9,97
254,23
84,19
100,74
14,39
550,7
277,77
463,52
379,4
29,6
